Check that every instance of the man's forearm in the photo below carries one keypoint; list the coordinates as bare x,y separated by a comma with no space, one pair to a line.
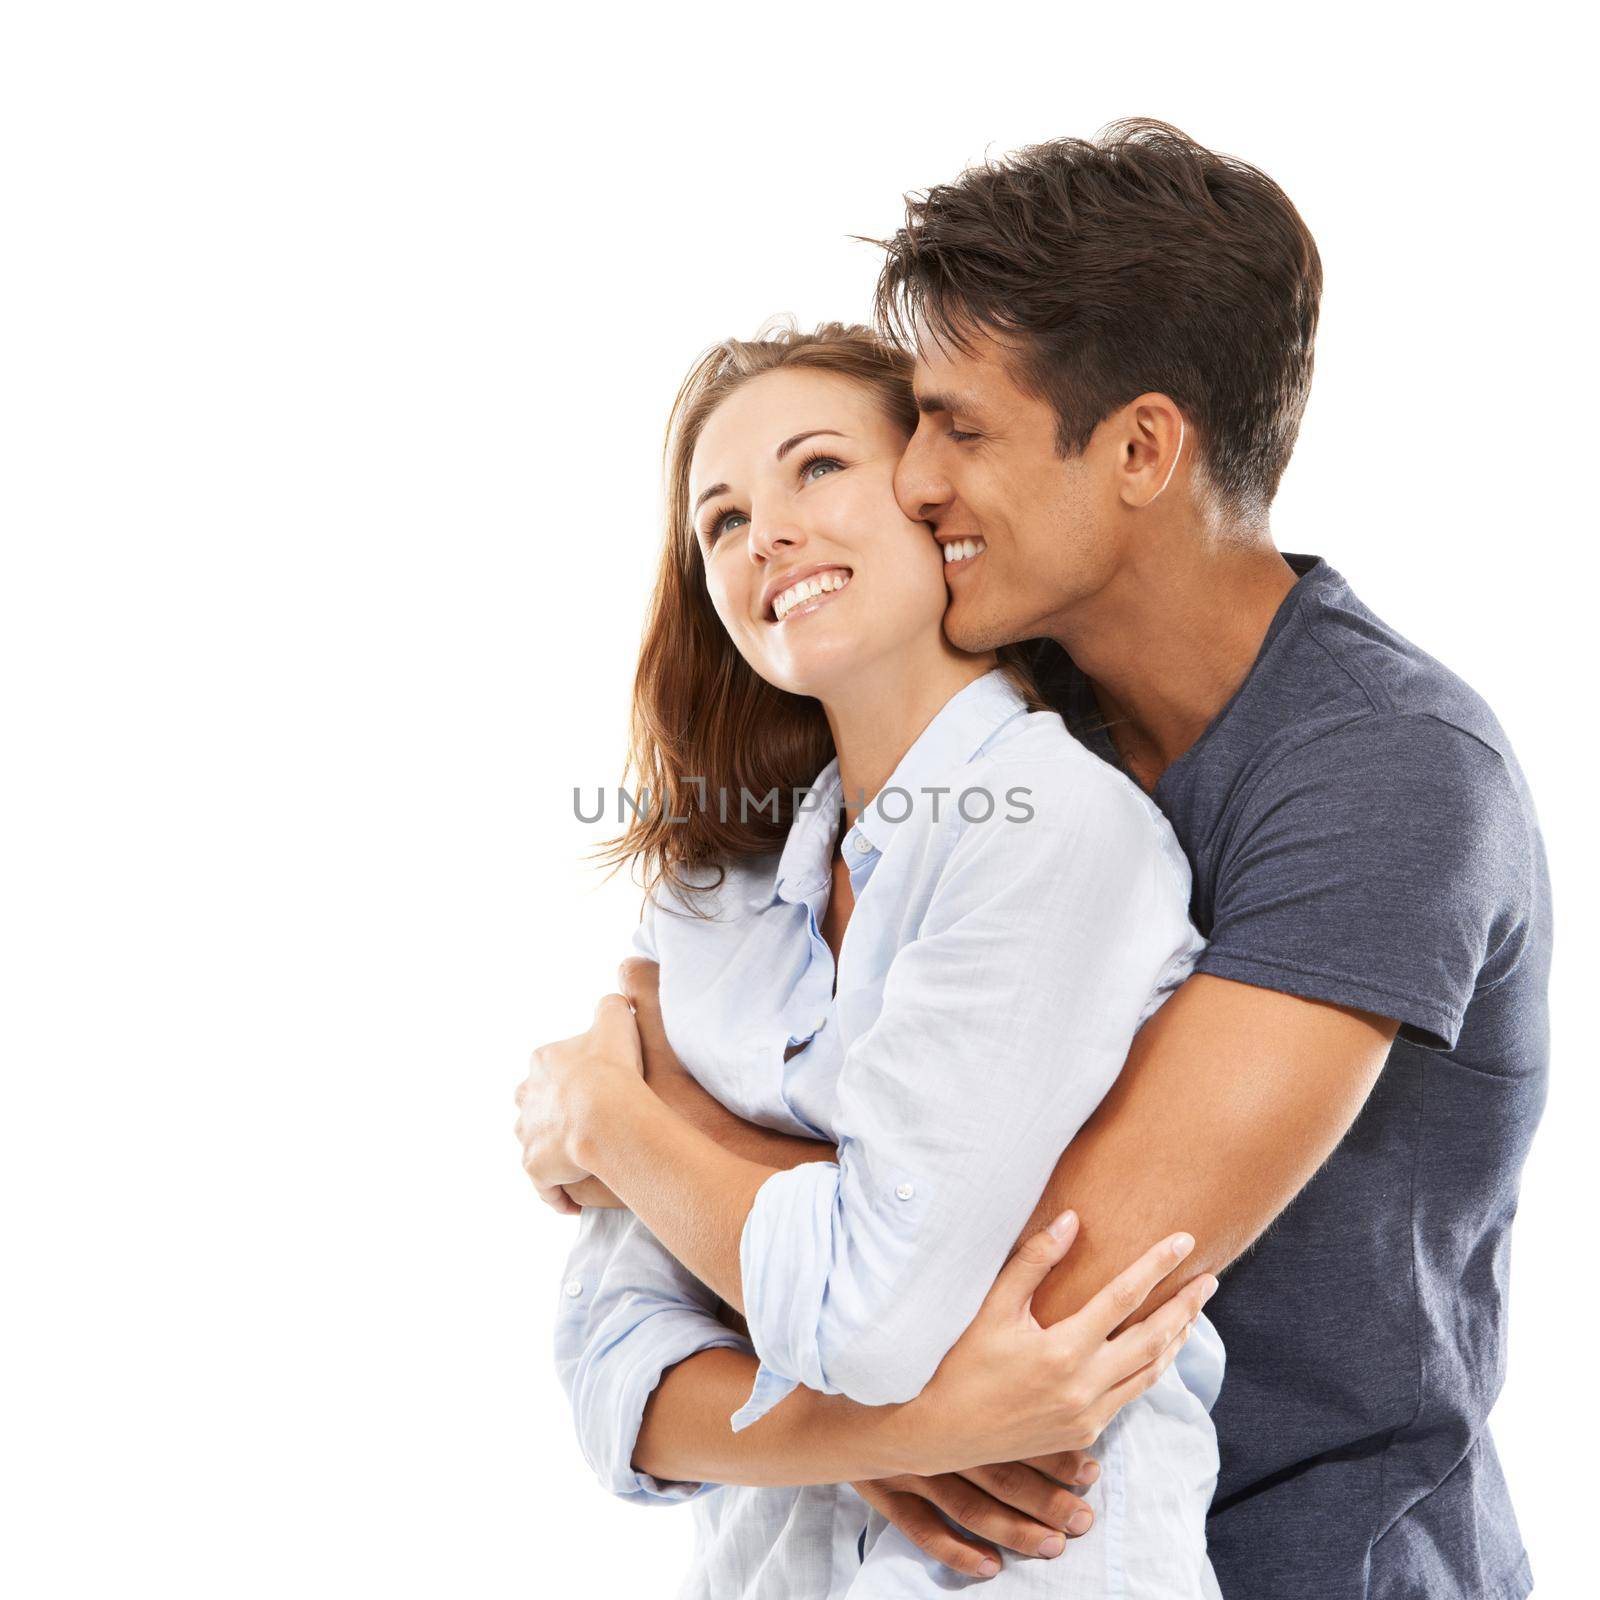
805,1438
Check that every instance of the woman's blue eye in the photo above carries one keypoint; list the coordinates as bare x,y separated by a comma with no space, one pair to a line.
809,472
720,526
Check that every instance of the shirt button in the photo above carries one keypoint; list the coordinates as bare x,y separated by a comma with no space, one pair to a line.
863,844
905,1191
573,1287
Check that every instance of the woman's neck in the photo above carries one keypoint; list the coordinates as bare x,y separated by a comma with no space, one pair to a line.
885,710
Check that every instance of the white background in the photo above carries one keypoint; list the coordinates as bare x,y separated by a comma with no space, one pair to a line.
335,345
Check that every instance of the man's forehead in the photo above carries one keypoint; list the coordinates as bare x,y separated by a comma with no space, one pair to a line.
953,377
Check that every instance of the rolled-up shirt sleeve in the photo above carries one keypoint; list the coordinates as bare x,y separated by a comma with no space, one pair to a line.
1045,945
627,1311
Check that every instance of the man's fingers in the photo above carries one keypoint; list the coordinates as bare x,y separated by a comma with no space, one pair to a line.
1127,1291
1029,1265
1046,1509
921,1523
1076,1468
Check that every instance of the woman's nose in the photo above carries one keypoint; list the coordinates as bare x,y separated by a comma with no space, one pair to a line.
771,537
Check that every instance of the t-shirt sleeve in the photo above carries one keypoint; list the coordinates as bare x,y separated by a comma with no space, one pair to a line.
1384,866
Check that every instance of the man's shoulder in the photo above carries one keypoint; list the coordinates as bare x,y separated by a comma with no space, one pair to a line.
1350,668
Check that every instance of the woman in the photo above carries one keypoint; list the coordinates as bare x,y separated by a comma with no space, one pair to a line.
823,760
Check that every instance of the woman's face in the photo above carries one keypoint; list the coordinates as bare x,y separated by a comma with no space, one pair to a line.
792,484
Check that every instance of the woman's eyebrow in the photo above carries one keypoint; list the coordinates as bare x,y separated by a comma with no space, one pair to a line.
782,450
800,438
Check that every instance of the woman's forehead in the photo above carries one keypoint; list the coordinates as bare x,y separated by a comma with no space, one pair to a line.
750,425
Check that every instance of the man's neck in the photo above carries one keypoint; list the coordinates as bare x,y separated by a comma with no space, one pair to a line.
1167,642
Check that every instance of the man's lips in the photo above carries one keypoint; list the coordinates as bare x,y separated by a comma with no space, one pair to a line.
959,552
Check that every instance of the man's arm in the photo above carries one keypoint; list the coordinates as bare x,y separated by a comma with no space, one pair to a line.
1231,1099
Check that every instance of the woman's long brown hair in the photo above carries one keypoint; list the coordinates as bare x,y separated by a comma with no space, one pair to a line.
705,728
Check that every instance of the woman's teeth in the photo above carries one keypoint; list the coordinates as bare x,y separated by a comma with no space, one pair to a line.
963,549
808,589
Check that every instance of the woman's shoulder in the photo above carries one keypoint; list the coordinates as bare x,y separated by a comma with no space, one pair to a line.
715,892
1039,764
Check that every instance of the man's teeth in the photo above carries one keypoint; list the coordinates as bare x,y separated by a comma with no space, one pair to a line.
808,589
962,549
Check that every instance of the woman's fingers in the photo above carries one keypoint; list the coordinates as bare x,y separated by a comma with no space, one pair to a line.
591,1191
1127,1291
1148,1340
1047,1509
919,1520
557,1198
1142,1338
1029,1266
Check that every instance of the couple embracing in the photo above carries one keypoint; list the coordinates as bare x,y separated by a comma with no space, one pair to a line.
1061,906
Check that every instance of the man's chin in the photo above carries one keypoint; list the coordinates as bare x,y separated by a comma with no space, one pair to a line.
968,629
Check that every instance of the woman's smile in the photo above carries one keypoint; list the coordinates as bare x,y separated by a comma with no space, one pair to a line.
807,594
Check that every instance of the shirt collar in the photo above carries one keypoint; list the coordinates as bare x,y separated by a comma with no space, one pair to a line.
960,731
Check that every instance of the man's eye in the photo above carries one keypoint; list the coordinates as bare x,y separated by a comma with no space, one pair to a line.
959,437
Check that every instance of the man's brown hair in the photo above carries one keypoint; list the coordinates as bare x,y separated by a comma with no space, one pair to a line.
1137,262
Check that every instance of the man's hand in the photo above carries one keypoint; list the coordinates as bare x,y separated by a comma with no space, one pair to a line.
1024,1506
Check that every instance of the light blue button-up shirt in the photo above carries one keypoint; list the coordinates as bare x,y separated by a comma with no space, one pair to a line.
1020,909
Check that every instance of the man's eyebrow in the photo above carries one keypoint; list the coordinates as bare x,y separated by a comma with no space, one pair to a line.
715,489
930,404
800,438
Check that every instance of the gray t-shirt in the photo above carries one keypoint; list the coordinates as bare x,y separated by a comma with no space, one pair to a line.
1360,833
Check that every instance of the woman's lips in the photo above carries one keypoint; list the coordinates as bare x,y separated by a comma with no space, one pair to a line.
817,586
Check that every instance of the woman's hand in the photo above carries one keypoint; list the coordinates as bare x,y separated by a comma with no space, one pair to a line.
565,1082
1009,1389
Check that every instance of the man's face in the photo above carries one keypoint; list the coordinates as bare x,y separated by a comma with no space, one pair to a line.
984,471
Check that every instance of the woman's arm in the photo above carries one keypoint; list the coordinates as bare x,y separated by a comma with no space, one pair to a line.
1007,1391
1044,947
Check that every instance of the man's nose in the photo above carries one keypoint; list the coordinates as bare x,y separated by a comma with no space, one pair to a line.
921,491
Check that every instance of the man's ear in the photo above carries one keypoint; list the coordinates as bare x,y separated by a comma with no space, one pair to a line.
1151,440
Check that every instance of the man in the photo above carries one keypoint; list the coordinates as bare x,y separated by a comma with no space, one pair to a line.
1114,345
1115,348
